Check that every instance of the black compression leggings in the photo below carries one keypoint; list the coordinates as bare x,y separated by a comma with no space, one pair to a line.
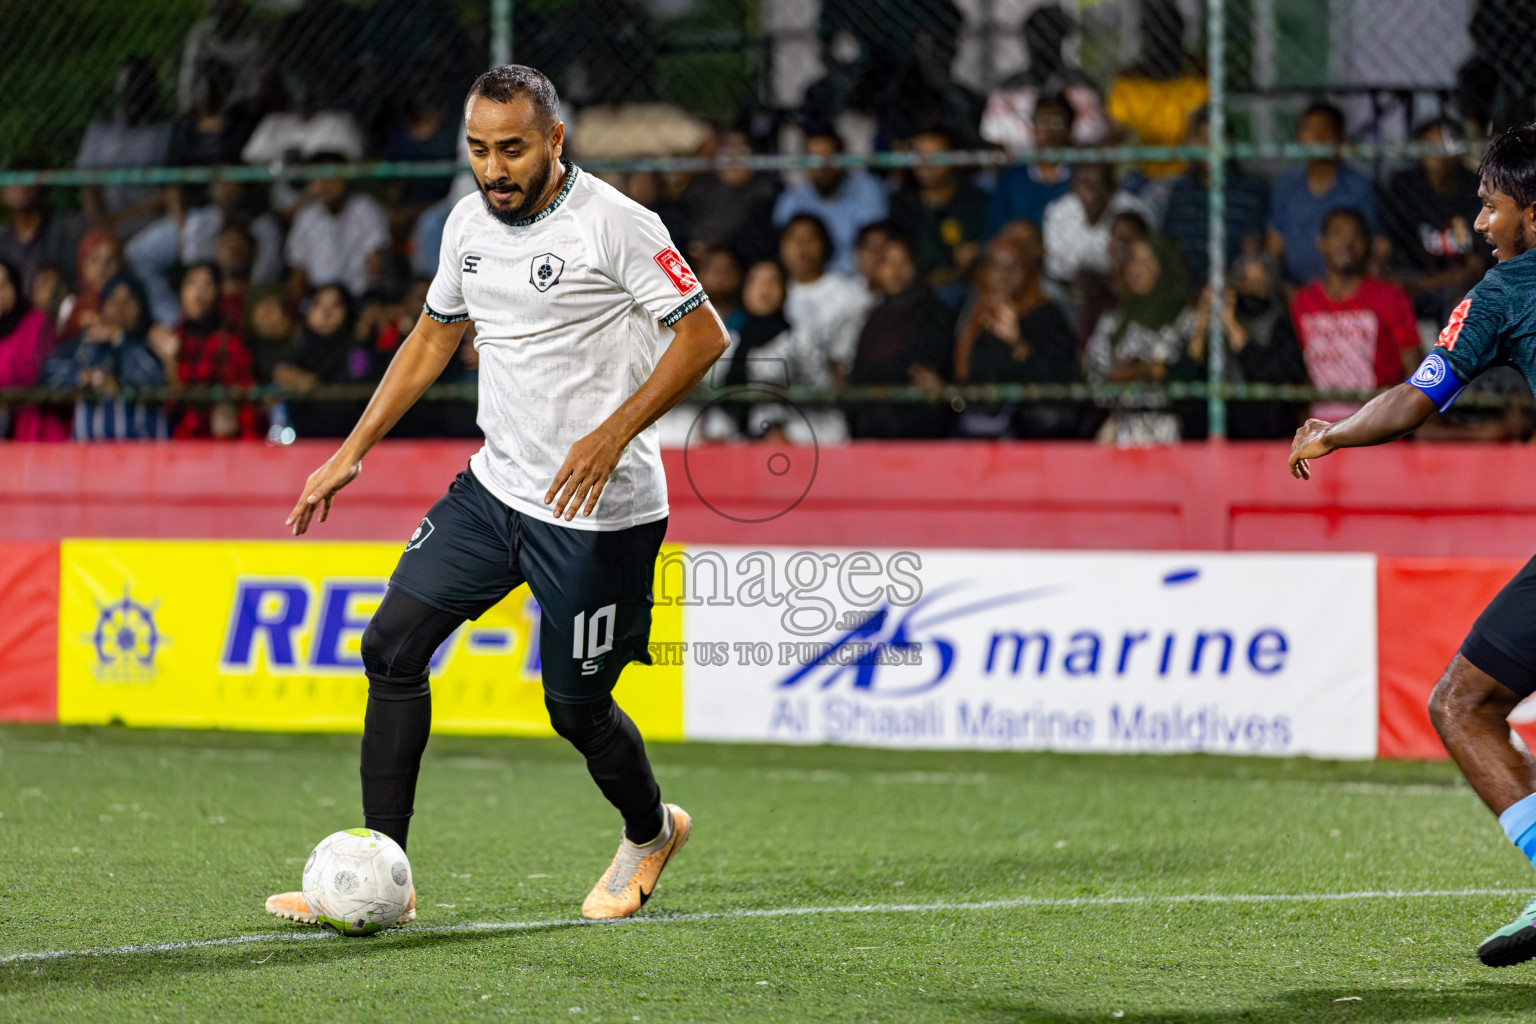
397,647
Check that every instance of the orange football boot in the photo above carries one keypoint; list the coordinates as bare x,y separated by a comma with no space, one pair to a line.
631,878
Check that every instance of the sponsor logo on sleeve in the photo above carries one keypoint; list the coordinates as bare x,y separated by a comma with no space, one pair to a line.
472,263
1447,339
671,264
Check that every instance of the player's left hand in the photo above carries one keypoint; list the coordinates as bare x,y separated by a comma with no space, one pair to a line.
1310,443
583,474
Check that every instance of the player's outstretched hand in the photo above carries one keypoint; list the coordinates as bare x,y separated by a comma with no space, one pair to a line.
583,474
322,485
1309,444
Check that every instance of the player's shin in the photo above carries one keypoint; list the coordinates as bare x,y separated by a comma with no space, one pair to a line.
395,730
615,754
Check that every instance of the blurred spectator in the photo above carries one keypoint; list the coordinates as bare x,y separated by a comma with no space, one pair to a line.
826,311
196,236
720,274
1496,87
1076,226
215,129
844,96
233,256
1261,348
650,190
762,301
295,136
226,37
905,342
272,333
1142,341
1014,334
110,354
35,235
1427,213
424,130
1187,217
338,237
1024,191
26,336
1153,98
914,45
1300,199
48,293
201,350
942,211
98,260
1011,118
845,201
136,135
869,254
730,207
826,308
621,131
325,354
1357,332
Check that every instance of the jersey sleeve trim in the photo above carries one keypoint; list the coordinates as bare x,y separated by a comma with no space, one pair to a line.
1438,380
444,318
681,311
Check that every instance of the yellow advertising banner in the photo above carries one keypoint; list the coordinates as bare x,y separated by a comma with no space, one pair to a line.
265,636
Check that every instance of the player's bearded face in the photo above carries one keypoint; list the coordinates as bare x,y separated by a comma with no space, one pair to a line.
509,200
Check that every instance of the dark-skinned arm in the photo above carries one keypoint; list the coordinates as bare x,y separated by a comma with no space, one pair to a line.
1387,417
699,340
419,361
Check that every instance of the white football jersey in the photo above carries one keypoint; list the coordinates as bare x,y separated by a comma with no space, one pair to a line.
568,308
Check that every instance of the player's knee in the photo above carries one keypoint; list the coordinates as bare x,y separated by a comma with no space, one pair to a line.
1466,692
394,671
583,725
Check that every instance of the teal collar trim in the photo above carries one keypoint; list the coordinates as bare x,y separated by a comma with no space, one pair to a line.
571,170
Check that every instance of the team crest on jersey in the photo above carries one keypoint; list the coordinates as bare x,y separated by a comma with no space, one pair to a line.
676,270
545,271
420,536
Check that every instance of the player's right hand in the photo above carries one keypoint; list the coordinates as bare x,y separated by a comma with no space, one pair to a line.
1310,443
339,470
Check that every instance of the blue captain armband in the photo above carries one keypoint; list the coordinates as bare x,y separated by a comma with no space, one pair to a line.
1436,379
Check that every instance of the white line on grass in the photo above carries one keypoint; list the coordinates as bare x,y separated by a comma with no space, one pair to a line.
483,927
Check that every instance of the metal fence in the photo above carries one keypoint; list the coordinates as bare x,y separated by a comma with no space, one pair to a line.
158,77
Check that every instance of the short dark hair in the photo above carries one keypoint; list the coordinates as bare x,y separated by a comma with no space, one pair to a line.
1325,109
1060,101
881,227
506,83
1348,213
819,225
1509,164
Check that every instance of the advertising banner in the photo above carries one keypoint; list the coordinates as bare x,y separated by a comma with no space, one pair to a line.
29,630
1172,652
266,635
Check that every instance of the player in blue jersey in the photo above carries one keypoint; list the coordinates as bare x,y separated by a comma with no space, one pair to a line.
1496,667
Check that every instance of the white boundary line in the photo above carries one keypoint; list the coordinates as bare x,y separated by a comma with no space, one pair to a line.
492,927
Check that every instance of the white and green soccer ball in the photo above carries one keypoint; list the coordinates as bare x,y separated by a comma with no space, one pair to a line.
357,881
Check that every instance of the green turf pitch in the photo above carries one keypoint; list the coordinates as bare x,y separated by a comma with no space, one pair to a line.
115,838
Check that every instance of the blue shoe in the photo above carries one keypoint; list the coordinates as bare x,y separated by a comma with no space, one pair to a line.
1515,943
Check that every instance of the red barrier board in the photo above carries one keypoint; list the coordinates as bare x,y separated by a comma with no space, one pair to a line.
29,632
1424,608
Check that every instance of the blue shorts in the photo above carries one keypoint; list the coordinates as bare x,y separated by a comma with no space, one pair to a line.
593,587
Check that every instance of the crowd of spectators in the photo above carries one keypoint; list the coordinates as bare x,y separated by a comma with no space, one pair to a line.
1040,273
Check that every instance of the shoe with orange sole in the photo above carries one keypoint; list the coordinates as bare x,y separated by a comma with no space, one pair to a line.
293,907
631,878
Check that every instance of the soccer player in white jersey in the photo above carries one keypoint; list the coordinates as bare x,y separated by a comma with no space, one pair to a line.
571,287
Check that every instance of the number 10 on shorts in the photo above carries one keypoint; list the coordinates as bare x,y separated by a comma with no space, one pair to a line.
591,640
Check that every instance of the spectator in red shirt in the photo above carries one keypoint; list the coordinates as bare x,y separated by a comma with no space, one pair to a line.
1357,332
202,351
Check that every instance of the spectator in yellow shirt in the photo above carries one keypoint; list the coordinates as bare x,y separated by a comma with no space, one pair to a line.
1154,98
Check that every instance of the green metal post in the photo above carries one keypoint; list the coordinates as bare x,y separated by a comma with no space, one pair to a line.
1216,156
501,32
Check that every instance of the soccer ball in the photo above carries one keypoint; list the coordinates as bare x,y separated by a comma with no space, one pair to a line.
357,881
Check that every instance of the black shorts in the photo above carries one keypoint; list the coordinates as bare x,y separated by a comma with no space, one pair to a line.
593,587
1503,639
